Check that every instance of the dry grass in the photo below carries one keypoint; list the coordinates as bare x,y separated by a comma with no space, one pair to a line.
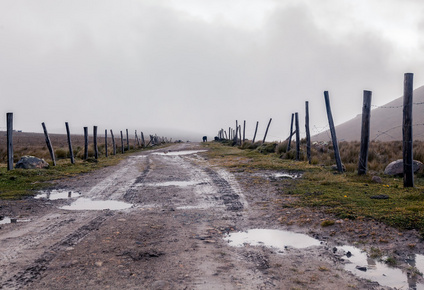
34,144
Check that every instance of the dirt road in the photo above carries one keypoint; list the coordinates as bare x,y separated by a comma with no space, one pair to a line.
170,213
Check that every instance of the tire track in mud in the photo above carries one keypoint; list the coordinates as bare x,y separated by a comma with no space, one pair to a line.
34,271
131,194
227,194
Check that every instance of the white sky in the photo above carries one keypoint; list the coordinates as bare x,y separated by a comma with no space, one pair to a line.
166,66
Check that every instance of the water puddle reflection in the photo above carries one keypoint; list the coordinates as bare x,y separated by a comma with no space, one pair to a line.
271,238
57,194
177,153
8,220
365,267
89,204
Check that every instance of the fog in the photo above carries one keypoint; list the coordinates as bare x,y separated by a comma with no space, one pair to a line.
185,69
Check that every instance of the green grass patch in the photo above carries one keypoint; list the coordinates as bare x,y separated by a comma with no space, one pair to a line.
18,183
344,195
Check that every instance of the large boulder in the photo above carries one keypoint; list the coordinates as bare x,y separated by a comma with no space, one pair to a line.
31,162
396,167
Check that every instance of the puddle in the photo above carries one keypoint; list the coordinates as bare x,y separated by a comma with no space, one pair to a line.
57,194
285,175
174,183
271,238
89,204
8,220
177,153
379,271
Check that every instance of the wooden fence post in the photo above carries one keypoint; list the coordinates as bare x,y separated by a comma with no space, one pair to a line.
296,117
308,133
333,132
113,142
122,143
291,133
85,143
256,130
142,139
106,153
408,170
239,135
266,131
49,144
365,134
137,141
96,149
68,134
128,141
236,135
244,131
9,121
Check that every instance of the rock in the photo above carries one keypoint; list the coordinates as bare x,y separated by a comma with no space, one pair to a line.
380,196
376,179
396,167
334,167
98,264
361,268
31,162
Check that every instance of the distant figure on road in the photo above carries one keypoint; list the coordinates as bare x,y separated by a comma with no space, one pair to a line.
205,139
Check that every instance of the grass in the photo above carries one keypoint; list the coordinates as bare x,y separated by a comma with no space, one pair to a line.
19,183
347,195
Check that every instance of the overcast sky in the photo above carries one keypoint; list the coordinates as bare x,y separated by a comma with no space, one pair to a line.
166,66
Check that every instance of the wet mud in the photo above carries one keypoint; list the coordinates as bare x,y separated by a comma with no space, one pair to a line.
170,219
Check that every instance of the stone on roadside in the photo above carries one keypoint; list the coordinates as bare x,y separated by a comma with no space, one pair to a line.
396,167
376,179
31,162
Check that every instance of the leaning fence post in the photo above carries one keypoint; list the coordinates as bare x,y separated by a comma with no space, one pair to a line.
266,131
256,130
106,143
296,117
142,139
113,142
333,132
408,170
239,134
365,133
9,121
96,149
68,134
291,133
85,143
49,144
122,143
308,133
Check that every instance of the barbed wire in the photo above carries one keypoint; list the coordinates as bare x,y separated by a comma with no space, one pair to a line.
395,107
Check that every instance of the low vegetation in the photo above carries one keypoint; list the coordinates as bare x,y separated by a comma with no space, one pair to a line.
346,195
18,183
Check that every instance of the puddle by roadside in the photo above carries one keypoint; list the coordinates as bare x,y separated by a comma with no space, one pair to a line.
8,220
365,267
177,153
89,204
57,194
358,263
271,238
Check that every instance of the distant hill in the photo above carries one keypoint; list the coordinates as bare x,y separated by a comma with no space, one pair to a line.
386,122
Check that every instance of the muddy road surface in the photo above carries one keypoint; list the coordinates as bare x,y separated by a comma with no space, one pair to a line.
166,219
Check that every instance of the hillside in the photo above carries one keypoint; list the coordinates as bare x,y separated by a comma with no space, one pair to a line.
386,122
